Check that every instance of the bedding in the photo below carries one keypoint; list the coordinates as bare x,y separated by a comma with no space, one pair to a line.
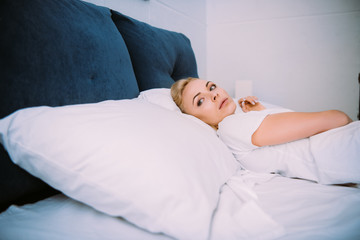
305,210
337,154
86,114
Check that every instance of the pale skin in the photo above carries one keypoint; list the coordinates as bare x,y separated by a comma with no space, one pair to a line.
211,104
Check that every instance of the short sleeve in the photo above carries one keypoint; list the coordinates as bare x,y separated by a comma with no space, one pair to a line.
236,130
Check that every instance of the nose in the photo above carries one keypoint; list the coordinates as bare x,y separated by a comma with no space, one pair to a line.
214,96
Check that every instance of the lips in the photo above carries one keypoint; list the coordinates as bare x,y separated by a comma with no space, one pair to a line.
223,103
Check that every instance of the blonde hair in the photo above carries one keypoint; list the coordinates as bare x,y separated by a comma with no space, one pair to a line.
177,90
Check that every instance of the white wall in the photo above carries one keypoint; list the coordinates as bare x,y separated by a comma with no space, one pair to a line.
302,54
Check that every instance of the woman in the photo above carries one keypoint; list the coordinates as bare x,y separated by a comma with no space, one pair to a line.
258,127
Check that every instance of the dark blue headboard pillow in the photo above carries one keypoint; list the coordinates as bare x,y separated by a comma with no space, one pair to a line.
60,52
56,52
159,57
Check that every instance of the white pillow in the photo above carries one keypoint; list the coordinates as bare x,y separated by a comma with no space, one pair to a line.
161,97
129,158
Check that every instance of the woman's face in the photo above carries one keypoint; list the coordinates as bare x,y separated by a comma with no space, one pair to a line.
204,100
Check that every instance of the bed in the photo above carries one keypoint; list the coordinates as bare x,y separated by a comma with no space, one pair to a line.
92,146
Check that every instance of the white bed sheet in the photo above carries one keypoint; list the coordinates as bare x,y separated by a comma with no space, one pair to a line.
304,210
60,217
309,210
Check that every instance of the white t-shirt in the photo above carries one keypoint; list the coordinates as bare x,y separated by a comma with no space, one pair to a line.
292,159
237,129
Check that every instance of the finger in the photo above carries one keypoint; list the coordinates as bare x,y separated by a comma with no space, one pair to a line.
255,99
251,99
243,107
241,101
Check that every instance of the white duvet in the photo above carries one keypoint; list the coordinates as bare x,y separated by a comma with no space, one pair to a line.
332,157
337,154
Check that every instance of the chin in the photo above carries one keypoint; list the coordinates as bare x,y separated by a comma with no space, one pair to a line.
232,107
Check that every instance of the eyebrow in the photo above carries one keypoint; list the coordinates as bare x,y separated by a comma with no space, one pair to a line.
195,97
206,85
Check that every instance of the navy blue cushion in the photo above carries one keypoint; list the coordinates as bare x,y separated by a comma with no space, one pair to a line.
56,52
17,186
159,56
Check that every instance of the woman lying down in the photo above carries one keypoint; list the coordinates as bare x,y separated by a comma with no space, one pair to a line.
318,146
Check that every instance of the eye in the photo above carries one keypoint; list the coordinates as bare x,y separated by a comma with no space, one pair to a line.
201,100
212,87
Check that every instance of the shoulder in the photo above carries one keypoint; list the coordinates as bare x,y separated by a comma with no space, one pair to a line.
236,130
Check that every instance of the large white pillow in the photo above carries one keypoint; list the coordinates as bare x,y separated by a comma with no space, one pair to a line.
161,97
154,167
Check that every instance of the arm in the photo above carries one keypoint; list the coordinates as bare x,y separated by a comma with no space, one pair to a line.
289,126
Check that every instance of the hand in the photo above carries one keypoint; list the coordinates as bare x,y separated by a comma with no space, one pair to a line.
250,103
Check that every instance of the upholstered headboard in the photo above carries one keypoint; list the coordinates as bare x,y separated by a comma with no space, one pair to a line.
60,52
